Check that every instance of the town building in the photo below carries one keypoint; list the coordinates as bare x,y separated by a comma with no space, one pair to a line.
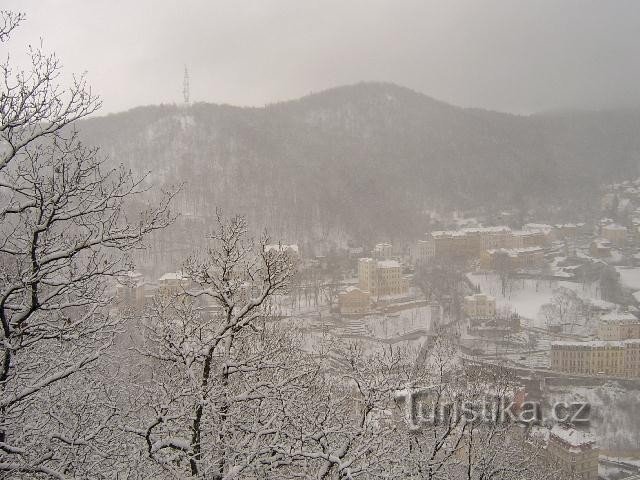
600,248
512,258
354,300
565,231
173,283
616,234
469,243
382,251
292,250
479,306
597,357
424,252
573,451
381,277
618,326
528,238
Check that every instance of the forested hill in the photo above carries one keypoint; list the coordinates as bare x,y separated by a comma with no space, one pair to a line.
366,159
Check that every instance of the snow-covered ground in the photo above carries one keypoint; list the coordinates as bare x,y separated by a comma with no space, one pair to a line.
630,277
526,296
407,327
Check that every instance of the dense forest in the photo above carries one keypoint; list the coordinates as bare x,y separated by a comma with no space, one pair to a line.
369,160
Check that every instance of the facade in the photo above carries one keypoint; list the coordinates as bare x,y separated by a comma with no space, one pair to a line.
471,242
618,326
600,248
173,283
512,258
573,451
381,277
455,244
527,238
479,306
354,300
424,252
382,251
599,357
616,234
565,231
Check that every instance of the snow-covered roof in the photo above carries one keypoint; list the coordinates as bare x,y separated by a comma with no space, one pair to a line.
615,227
388,264
515,251
480,296
497,229
526,233
351,289
573,438
619,318
171,276
596,343
281,248
538,226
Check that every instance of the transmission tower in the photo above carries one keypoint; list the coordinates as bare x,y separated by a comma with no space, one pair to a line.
185,86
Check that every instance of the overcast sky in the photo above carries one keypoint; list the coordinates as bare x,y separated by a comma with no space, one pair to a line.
511,55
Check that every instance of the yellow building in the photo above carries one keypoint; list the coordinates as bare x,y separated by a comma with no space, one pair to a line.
383,251
173,283
573,451
512,258
425,251
381,278
479,306
600,248
471,242
618,326
354,300
616,234
600,357
527,238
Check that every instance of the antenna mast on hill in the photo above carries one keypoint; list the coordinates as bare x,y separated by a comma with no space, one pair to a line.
185,86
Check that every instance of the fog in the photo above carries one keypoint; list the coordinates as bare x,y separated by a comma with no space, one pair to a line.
509,56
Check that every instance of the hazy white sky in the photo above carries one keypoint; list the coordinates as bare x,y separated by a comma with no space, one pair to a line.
511,55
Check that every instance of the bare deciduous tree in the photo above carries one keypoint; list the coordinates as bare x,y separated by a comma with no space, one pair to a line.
63,234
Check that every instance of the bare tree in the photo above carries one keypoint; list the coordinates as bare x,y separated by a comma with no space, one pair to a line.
221,377
63,235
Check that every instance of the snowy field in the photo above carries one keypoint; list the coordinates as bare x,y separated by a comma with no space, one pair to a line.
526,296
630,277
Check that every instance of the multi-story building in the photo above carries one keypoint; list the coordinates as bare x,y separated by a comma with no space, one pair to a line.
382,251
512,258
618,326
565,231
454,244
479,306
527,238
424,252
173,283
471,242
616,234
598,357
543,228
600,248
573,451
381,277
354,300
